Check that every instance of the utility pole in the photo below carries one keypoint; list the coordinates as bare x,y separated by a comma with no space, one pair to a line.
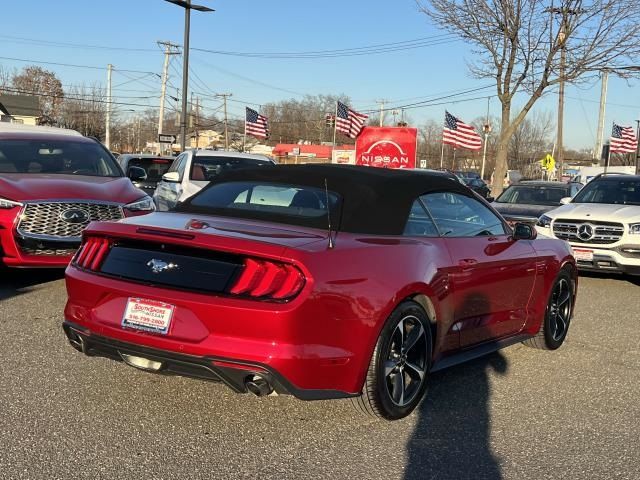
107,123
196,121
562,37
381,102
188,6
169,49
226,120
603,102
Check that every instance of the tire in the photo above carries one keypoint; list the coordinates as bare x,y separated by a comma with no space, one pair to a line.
557,317
397,375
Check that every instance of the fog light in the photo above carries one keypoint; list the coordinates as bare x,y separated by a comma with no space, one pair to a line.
141,362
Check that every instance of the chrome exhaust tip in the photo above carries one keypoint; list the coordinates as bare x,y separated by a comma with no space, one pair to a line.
141,362
258,386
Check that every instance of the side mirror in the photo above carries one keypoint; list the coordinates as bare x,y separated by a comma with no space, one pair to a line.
524,231
565,200
137,174
171,177
491,199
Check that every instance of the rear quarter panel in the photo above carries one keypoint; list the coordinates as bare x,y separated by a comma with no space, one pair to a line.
360,282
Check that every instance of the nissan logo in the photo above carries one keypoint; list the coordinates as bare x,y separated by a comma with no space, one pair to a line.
75,215
159,266
585,232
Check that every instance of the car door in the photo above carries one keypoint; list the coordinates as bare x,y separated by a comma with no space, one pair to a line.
196,177
168,194
492,275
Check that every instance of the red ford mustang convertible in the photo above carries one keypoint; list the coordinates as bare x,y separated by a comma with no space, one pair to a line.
318,281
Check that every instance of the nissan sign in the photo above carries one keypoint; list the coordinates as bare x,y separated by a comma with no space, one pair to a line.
387,147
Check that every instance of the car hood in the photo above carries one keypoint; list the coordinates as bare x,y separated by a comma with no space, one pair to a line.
285,235
598,211
521,210
21,187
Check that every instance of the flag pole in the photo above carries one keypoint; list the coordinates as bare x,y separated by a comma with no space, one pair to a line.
454,158
244,138
335,123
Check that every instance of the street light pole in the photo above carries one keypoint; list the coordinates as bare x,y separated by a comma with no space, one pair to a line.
188,6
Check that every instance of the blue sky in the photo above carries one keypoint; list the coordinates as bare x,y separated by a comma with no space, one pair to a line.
277,26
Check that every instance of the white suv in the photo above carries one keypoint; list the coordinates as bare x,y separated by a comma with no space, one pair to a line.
194,169
602,224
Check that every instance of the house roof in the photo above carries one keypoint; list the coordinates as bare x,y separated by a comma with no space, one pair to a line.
320,151
21,105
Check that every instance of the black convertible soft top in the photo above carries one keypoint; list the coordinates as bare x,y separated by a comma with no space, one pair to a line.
375,200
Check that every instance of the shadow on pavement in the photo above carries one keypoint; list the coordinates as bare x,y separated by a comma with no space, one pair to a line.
14,282
451,439
633,279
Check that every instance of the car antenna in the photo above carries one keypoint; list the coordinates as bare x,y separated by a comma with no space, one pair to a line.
326,193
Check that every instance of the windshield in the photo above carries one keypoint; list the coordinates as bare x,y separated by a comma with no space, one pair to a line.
610,190
155,167
533,195
61,157
281,203
207,168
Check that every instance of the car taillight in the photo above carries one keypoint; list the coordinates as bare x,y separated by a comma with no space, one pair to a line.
92,253
266,279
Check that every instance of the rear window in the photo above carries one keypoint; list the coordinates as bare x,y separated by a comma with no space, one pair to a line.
281,203
155,167
206,169
530,195
63,157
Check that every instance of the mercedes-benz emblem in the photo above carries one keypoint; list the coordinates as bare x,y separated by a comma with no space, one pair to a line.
75,215
159,266
585,232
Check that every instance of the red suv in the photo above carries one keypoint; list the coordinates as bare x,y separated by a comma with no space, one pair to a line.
53,183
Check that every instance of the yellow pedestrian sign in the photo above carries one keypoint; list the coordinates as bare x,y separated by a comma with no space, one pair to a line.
548,163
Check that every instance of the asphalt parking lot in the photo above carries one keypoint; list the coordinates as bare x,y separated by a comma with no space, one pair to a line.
522,413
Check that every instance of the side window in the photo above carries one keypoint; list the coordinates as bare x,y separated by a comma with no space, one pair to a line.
461,216
419,223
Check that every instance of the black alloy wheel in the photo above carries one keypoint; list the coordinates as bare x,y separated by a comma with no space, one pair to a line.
397,375
555,325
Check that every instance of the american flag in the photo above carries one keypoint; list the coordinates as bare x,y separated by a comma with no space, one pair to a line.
349,121
623,140
256,124
459,134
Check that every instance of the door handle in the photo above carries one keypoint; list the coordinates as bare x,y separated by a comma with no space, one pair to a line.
467,262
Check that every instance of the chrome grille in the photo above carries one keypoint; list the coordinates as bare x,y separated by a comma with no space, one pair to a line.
603,232
45,219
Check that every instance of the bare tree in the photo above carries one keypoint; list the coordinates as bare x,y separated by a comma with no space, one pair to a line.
83,109
530,140
34,80
519,45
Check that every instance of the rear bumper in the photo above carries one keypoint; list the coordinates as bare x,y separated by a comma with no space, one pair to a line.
231,372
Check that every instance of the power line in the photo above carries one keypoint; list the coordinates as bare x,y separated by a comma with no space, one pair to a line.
92,67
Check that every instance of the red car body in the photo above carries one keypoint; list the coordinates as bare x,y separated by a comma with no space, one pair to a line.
29,225
482,293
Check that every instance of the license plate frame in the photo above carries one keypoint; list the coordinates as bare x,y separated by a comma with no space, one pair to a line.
148,315
583,255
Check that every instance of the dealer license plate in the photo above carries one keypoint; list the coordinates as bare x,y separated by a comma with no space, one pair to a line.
583,255
148,315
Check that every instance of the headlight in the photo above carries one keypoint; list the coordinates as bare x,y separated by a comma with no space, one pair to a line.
544,221
634,229
143,205
4,203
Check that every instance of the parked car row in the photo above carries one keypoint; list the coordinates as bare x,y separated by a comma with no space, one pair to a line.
319,281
